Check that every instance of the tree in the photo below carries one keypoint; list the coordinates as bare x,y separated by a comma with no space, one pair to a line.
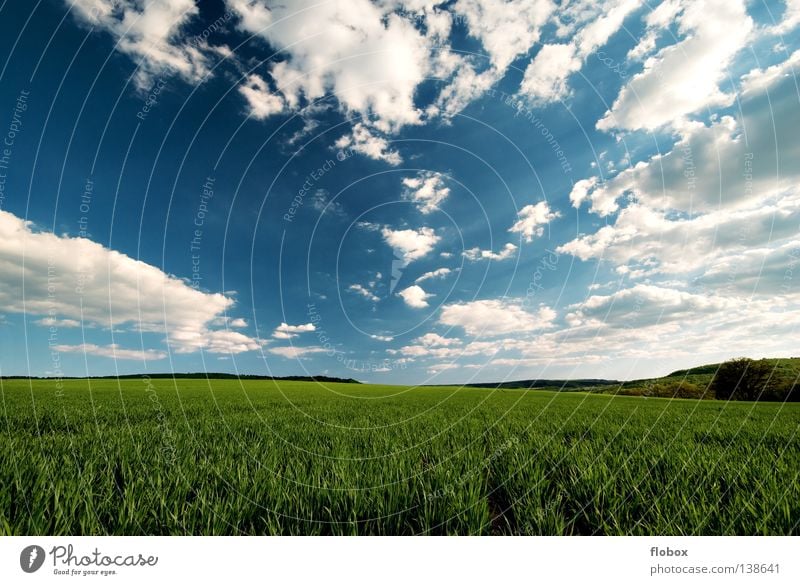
741,379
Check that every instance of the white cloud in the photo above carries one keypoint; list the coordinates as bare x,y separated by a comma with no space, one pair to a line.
712,225
545,79
436,340
505,29
581,189
286,331
656,23
322,203
722,190
466,86
415,297
546,76
262,102
438,273
226,321
410,244
644,305
495,317
292,352
475,254
423,350
685,77
52,322
706,168
363,141
385,338
767,270
113,351
370,59
532,219
643,237
364,292
427,190
373,57
254,16
759,80
150,33
81,280
791,18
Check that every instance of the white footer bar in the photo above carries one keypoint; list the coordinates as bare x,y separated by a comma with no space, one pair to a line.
401,560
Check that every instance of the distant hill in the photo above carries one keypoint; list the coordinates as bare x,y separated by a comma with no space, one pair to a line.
781,366
564,384
689,383
695,382
195,375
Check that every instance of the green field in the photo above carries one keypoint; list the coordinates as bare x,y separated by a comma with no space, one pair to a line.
263,457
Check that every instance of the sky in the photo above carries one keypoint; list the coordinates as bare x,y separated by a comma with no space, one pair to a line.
398,192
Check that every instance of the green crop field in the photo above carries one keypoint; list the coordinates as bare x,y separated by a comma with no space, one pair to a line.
194,456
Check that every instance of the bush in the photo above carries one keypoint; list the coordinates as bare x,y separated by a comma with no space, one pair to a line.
743,379
675,389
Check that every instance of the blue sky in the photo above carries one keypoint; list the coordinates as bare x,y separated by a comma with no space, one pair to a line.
397,192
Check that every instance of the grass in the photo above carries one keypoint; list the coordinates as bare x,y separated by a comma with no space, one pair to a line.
261,457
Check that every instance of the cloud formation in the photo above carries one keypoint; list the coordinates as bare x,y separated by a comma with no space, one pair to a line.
532,219
75,279
415,297
151,33
427,190
285,331
685,77
475,254
410,244
495,317
113,351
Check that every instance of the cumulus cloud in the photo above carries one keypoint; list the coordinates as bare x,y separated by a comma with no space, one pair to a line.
475,254
62,277
641,237
415,297
685,77
427,190
373,58
364,141
286,331
262,102
532,219
292,352
61,323
363,291
438,273
766,270
370,59
113,351
644,305
715,194
545,79
546,76
152,33
790,20
465,86
505,29
495,317
410,244
436,340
